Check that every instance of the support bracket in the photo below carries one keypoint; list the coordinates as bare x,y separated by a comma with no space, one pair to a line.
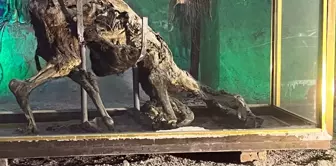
80,31
136,93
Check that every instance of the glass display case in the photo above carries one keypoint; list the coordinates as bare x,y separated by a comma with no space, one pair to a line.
268,65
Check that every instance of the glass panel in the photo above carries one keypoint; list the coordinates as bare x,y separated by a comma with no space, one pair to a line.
226,49
301,37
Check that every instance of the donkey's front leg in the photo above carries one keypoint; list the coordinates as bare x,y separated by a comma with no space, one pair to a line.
89,83
22,89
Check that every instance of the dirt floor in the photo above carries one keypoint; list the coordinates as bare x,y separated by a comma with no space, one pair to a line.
274,158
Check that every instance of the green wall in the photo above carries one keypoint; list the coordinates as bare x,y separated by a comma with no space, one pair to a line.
17,50
236,48
157,13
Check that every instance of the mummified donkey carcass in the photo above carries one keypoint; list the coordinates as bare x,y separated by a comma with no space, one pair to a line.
113,34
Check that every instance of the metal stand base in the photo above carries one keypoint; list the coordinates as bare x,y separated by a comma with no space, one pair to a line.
3,162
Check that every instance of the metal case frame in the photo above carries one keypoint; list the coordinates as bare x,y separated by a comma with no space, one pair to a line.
207,141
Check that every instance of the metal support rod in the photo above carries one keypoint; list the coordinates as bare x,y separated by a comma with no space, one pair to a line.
135,70
136,92
80,31
83,92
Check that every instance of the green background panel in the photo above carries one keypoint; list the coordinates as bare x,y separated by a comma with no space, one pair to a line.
157,13
238,41
17,50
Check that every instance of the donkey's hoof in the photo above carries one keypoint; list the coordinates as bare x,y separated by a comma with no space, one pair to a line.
29,130
172,124
109,122
91,127
33,129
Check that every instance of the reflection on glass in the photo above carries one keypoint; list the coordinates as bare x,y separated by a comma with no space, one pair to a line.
234,57
301,36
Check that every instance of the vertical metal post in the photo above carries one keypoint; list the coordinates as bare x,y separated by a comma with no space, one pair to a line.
136,93
80,31
326,75
276,53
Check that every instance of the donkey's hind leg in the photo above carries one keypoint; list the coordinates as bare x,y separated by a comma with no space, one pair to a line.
22,89
88,81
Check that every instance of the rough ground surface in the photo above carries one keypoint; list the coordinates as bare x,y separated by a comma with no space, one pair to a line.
276,158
